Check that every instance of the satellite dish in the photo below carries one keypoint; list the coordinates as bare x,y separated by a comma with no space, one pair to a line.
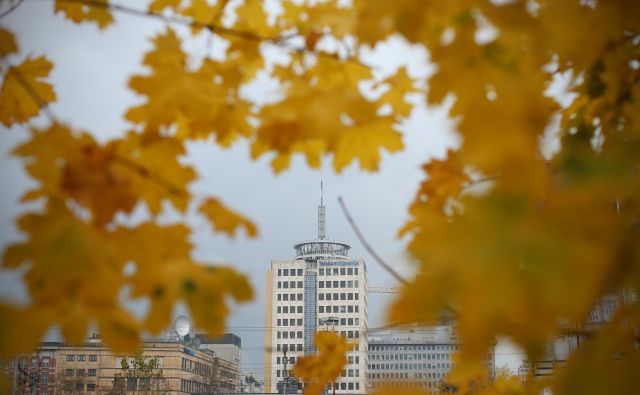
182,326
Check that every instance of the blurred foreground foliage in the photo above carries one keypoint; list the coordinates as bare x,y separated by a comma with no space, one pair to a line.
518,232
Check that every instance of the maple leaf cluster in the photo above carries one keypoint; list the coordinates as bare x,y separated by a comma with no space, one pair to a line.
512,238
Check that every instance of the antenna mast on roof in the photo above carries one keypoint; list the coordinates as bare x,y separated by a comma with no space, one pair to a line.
321,215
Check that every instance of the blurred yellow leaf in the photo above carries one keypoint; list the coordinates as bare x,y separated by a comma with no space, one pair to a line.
319,370
8,43
79,12
225,220
25,91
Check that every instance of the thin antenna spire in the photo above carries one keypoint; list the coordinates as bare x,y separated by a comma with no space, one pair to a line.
321,214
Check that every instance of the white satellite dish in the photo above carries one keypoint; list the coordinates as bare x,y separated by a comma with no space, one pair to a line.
182,326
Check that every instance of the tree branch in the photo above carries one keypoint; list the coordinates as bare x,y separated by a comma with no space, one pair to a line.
279,40
11,8
368,247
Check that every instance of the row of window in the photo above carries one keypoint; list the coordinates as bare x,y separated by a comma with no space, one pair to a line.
418,347
339,309
350,271
289,347
290,284
405,357
290,272
289,297
338,296
82,358
289,335
405,384
289,309
396,375
80,372
196,367
411,366
338,284
289,322
79,387
347,386
344,322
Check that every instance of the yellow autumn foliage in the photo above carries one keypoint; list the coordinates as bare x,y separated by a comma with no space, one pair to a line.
512,239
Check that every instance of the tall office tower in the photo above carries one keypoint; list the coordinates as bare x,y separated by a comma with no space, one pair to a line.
320,289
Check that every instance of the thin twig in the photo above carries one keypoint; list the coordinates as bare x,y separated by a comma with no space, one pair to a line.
11,8
214,28
367,246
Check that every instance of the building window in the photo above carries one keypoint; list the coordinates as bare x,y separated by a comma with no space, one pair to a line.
279,284
69,372
45,362
285,297
285,272
80,372
321,296
355,271
300,296
71,357
343,296
320,309
336,284
82,358
285,284
91,387
292,284
321,284
355,295
299,321
299,284
299,334
279,322
279,297
279,272
350,271
343,284
93,358
299,272
350,296
299,309
322,272
342,271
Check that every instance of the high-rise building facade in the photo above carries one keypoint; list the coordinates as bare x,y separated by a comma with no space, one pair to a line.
321,288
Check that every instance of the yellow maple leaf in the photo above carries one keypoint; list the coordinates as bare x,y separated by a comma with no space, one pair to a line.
24,91
151,164
325,367
446,179
160,5
74,273
400,84
365,142
8,43
225,220
79,12
191,100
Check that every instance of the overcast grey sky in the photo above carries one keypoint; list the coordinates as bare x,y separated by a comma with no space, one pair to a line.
90,77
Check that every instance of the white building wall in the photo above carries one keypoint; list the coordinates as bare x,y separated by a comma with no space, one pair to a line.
346,282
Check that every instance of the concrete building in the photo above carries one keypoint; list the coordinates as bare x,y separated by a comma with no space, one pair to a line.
321,288
227,347
56,367
414,358
561,347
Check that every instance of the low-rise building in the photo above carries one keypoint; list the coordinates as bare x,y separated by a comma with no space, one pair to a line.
56,367
417,358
